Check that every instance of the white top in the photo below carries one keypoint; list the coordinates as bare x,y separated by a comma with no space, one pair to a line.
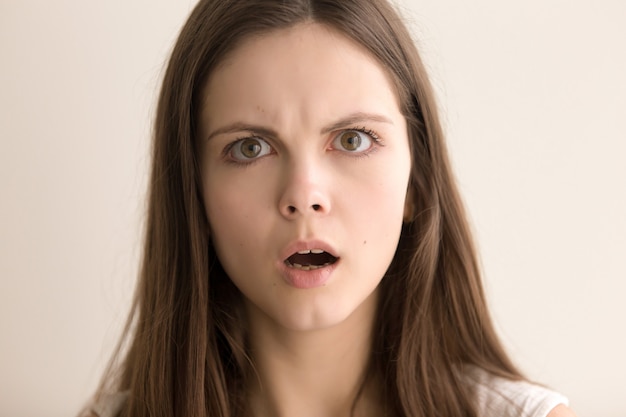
500,397
496,397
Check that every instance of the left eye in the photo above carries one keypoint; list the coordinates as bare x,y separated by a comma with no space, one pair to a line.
353,141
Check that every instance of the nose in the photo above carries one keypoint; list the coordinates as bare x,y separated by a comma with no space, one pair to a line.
304,192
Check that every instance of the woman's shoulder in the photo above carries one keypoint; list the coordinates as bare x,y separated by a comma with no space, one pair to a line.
106,405
503,397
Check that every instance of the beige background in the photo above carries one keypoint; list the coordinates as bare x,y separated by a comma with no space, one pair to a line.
533,96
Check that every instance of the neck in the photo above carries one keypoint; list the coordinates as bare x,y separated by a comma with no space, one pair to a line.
313,373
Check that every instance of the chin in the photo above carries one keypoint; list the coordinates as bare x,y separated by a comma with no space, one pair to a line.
321,312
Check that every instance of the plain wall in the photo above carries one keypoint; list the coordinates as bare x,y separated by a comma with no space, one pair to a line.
533,99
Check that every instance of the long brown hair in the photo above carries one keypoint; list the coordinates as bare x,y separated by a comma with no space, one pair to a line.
186,353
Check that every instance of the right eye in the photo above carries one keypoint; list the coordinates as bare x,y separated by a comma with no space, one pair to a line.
248,149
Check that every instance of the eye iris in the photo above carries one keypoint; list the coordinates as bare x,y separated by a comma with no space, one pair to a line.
250,148
350,141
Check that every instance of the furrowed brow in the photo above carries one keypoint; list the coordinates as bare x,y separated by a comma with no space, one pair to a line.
242,127
355,119
348,121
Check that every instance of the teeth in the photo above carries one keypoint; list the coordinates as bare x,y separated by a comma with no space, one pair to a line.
306,267
307,251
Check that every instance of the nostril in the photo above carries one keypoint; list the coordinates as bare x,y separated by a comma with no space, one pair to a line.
291,209
316,207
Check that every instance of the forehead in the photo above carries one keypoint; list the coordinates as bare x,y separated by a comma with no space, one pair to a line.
306,65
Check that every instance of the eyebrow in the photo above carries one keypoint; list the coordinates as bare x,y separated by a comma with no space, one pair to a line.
240,127
350,120
354,119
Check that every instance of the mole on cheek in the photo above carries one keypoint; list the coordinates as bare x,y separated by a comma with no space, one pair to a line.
365,242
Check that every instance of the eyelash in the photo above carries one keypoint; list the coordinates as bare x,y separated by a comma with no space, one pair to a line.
377,142
367,131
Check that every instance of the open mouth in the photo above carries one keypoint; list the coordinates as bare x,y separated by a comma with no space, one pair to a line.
308,260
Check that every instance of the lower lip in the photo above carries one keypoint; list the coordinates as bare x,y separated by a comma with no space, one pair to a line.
301,279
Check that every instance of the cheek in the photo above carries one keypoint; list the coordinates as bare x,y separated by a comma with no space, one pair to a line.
233,193
382,214
374,210
234,212
383,195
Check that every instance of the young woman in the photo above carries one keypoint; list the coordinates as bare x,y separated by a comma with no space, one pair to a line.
307,253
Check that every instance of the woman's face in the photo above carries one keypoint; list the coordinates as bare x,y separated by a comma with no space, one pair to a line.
305,164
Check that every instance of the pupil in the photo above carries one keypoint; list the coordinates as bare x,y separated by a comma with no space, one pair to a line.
250,148
350,141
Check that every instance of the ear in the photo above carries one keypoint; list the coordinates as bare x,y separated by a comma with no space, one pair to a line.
409,205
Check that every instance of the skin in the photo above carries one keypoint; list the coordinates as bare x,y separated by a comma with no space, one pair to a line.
297,91
561,410
290,95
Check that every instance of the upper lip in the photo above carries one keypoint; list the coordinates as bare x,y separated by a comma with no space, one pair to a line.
302,245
